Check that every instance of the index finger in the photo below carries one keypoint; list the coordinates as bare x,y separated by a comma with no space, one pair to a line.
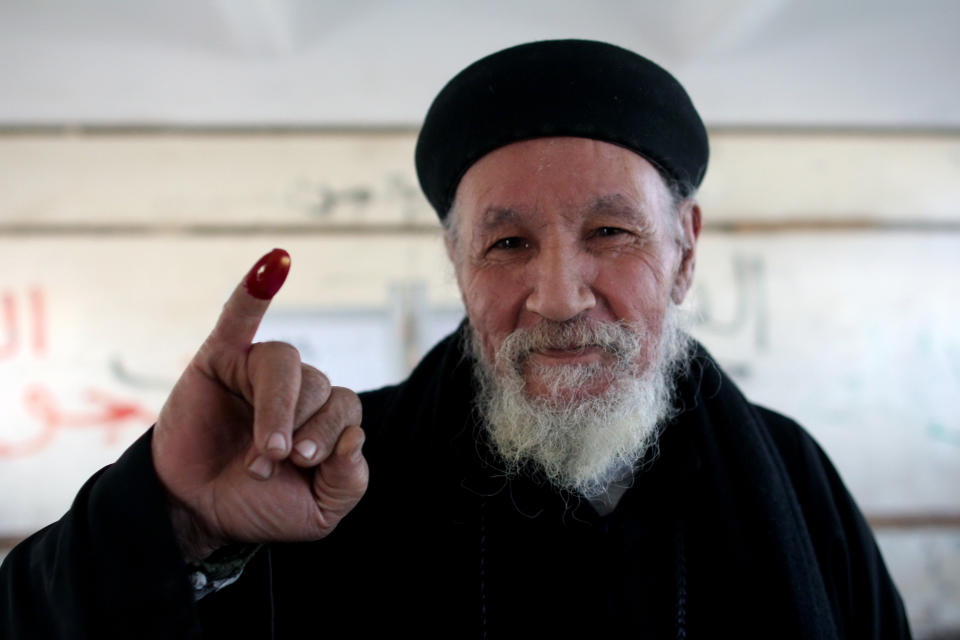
245,307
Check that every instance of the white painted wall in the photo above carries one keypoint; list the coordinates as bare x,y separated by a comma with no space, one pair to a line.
886,63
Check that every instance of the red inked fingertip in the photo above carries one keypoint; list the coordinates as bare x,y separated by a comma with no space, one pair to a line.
267,276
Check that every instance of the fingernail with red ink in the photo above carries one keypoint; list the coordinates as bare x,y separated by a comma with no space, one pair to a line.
267,276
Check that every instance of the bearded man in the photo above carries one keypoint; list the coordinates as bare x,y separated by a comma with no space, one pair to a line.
568,462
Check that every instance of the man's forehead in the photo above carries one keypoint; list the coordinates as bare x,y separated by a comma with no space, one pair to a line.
571,175
546,153
616,205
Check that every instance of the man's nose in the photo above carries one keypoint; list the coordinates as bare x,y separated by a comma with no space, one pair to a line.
561,284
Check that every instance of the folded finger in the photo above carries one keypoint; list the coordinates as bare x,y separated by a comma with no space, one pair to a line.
342,479
315,440
314,393
274,370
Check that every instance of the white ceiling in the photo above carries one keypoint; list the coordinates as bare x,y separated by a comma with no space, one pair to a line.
860,63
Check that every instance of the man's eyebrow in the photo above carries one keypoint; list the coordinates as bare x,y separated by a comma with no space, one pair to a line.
616,205
493,217
619,206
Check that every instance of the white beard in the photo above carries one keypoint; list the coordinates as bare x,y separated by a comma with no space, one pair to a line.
580,442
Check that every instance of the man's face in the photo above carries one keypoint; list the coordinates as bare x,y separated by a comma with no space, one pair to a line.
558,229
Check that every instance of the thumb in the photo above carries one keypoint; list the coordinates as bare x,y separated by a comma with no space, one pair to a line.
245,307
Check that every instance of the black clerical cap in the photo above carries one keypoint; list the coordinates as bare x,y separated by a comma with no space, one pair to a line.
551,88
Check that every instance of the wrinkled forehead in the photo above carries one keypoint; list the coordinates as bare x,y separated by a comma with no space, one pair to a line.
563,175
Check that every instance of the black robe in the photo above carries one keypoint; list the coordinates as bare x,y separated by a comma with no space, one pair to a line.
738,527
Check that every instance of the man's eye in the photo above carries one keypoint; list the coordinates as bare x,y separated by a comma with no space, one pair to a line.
513,242
608,231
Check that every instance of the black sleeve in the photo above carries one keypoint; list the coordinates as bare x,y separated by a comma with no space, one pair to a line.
110,568
865,600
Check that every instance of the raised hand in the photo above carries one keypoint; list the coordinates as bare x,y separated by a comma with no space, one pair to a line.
253,445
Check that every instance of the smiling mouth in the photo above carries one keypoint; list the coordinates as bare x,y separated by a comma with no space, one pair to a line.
575,355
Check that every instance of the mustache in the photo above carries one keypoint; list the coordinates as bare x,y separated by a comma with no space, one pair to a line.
620,339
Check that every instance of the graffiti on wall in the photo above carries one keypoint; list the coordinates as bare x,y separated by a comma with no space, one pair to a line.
24,337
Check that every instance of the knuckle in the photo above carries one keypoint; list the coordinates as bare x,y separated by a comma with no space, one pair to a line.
267,362
351,483
314,378
341,411
281,350
361,477
347,404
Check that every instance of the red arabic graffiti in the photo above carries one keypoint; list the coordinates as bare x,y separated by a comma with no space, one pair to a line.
38,322
12,332
9,346
106,411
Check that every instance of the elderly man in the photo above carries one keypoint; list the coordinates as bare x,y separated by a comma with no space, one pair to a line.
568,462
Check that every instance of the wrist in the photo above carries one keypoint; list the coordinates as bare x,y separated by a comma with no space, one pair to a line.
194,540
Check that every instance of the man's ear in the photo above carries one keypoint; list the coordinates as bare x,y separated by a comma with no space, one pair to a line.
690,226
450,244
